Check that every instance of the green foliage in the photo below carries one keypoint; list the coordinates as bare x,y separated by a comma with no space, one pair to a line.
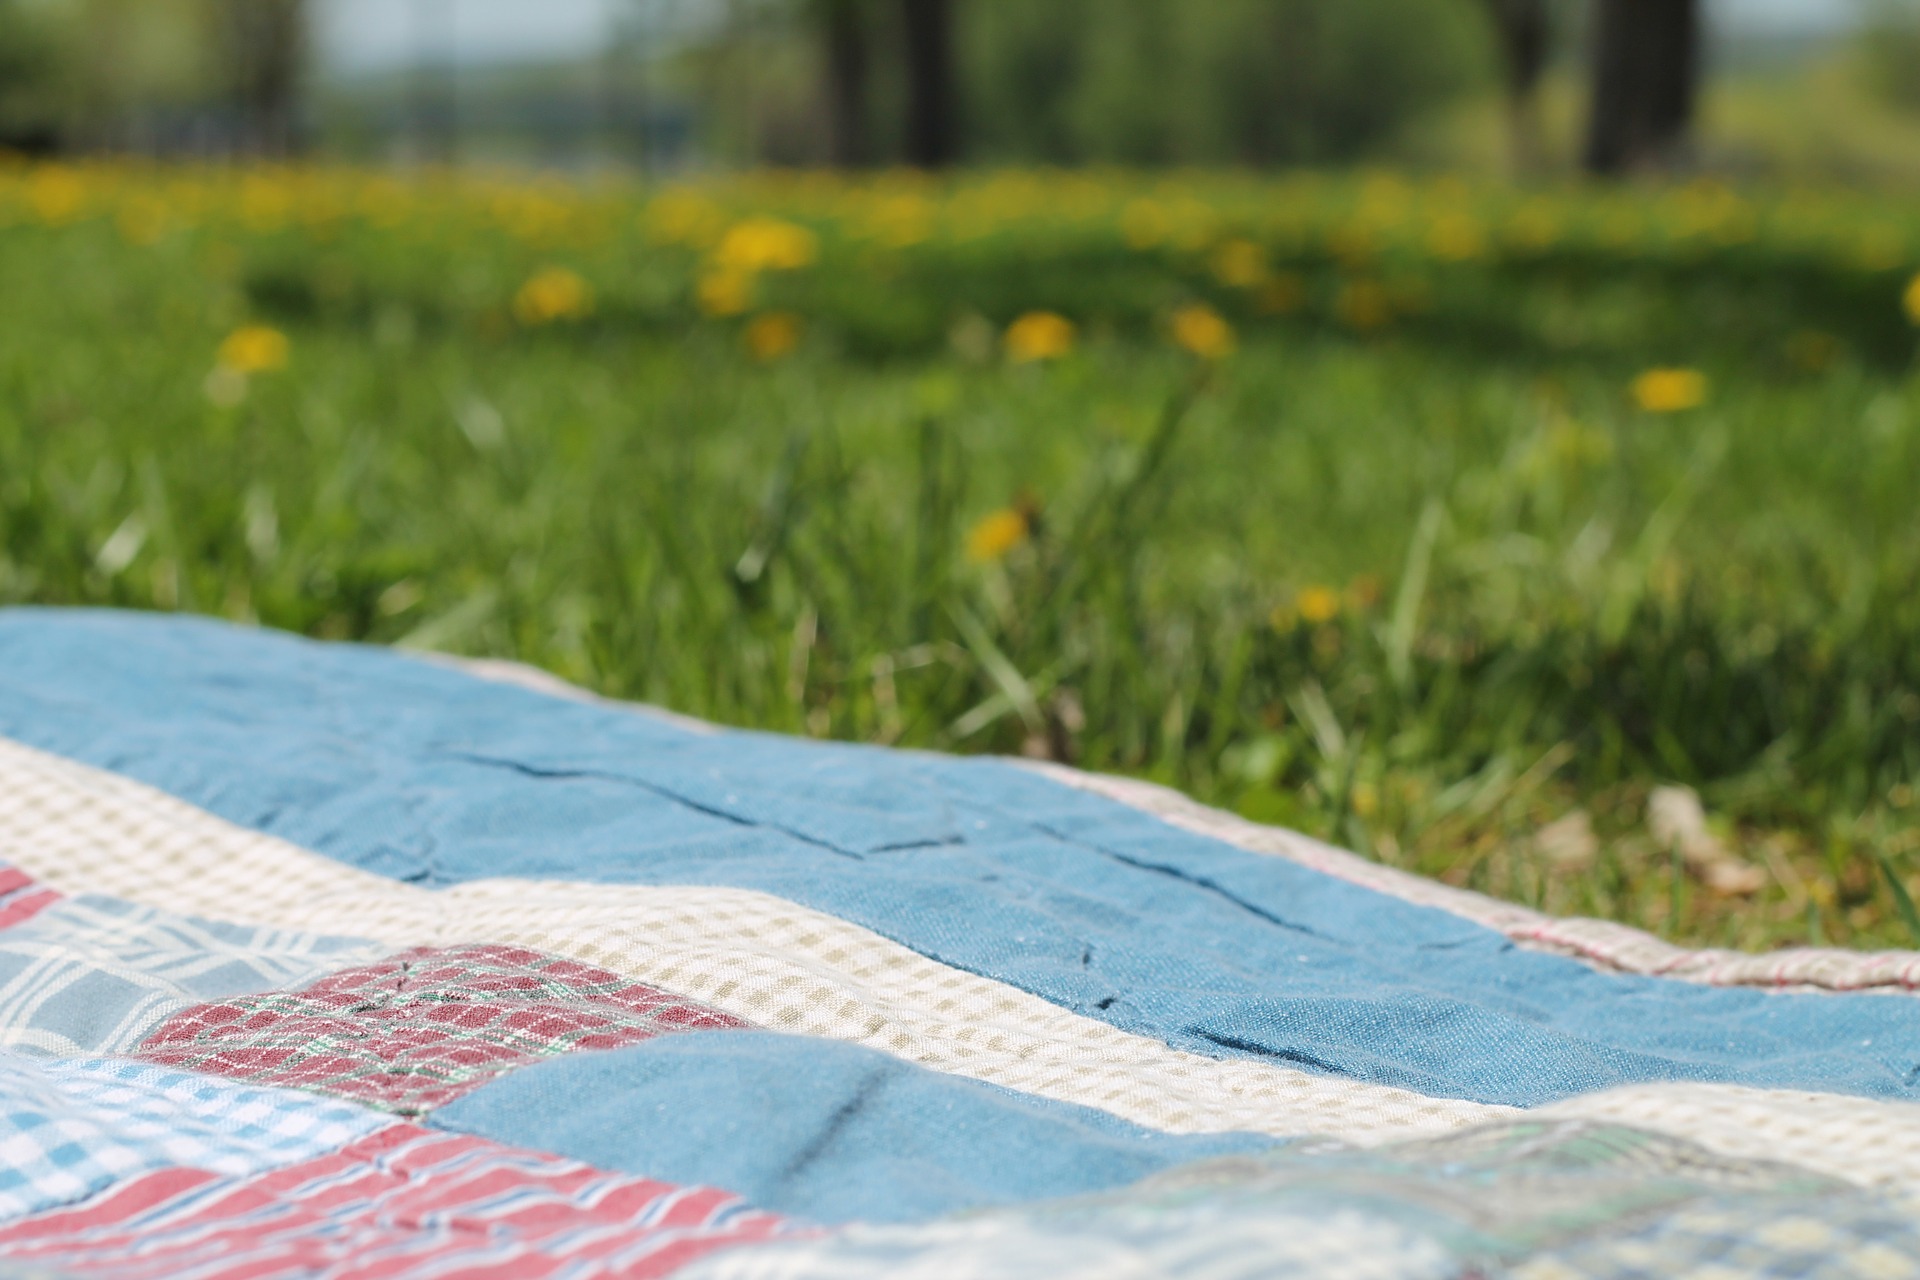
1889,44
1249,81
1410,569
28,70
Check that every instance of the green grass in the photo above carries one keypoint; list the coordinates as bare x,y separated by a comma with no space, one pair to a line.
1546,598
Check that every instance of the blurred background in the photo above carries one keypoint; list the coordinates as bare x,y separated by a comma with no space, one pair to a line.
1826,89
1482,433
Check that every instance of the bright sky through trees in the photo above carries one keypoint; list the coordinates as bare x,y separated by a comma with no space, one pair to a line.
378,35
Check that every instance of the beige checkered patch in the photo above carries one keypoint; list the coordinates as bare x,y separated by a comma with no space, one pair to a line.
788,968
778,965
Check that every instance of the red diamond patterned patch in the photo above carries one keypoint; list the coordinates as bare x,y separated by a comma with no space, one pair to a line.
423,1027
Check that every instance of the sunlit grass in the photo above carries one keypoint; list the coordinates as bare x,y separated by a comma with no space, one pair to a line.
1341,501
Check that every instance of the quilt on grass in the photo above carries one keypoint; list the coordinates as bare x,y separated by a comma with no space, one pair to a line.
319,960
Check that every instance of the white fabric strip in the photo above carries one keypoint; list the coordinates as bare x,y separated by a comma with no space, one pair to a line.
1854,1139
1600,942
778,965
787,968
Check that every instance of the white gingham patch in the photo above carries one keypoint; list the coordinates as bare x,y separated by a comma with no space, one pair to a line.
70,1129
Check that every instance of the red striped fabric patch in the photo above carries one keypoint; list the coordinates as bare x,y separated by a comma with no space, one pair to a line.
423,1027
21,898
403,1201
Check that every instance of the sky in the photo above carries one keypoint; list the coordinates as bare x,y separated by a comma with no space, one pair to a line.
377,35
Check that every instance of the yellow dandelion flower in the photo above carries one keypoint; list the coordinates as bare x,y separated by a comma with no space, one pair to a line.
766,244
1910,300
57,195
1456,238
1239,264
553,293
1144,224
1038,335
996,534
1201,330
772,335
724,293
253,348
683,217
1670,390
1317,604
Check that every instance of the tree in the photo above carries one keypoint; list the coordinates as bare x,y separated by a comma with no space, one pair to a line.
933,113
844,26
28,93
264,46
1646,70
1523,32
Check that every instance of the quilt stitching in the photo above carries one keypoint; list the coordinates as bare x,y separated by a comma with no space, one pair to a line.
422,1028
403,1201
94,974
69,1129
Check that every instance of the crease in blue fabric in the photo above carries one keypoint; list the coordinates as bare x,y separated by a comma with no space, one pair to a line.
819,1129
371,757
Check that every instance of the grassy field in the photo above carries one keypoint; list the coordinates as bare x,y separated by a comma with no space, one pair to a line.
1344,502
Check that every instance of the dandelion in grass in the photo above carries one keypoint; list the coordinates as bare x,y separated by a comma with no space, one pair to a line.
1670,390
997,534
57,195
683,217
1317,604
1457,238
724,293
1038,335
766,244
1201,330
254,348
1239,264
554,293
1910,300
250,349
772,335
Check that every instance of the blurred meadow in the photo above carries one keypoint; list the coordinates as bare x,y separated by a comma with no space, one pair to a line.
1441,515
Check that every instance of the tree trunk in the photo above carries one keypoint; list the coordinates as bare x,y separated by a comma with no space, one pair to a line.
265,42
933,125
1524,34
1646,67
844,28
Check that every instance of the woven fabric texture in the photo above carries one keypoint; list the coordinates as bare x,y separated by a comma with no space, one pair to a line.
93,974
1601,942
70,1128
402,1202
768,962
1542,1199
423,776
317,960
423,1027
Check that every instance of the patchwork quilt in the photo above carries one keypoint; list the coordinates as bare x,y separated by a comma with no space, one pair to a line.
321,960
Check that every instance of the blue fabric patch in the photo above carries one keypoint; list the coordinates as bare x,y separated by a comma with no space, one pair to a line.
818,1129
429,776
